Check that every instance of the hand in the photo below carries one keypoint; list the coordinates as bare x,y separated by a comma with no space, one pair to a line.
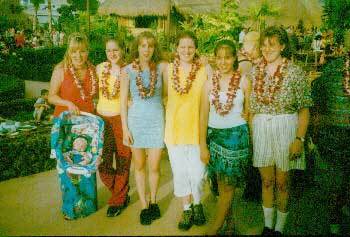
73,108
295,149
205,155
127,138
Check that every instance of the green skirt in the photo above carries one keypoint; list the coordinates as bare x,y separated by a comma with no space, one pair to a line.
229,154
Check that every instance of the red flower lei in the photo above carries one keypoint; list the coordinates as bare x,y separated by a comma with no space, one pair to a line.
78,82
276,84
145,92
189,80
346,81
105,82
231,93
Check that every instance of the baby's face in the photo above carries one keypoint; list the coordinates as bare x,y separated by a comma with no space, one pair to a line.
80,144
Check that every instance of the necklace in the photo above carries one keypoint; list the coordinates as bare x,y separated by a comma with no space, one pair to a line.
106,72
143,91
78,82
274,87
346,81
189,80
224,109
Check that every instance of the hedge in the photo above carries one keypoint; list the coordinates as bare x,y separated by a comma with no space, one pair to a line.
37,64
26,154
11,88
13,107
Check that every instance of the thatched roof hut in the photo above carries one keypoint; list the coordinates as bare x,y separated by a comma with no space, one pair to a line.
290,11
133,8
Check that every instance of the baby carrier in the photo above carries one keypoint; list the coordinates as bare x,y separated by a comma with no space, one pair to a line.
77,169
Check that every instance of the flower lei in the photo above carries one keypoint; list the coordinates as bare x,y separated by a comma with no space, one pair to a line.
276,84
78,82
346,82
143,91
106,72
189,80
231,93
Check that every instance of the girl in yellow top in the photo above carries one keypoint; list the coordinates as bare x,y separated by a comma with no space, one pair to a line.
185,77
108,108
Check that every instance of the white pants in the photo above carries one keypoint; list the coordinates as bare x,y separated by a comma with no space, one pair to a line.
188,170
272,136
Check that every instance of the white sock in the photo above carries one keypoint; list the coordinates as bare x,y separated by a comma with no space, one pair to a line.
268,215
281,221
187,207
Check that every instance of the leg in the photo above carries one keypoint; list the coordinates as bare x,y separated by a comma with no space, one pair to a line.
268,182
282,180
154,156
123,160
140,175
106,170
224,204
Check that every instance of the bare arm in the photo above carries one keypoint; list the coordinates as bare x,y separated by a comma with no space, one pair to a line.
165,82
303,121
55,84
124,94
203,123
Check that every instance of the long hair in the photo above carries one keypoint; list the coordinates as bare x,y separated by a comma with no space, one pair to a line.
152,40
75,40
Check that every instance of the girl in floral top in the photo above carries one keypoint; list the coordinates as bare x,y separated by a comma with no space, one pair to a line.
280,116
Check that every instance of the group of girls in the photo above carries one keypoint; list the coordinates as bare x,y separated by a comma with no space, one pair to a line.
207,117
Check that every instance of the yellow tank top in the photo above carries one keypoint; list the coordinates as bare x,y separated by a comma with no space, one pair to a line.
182,111
104,104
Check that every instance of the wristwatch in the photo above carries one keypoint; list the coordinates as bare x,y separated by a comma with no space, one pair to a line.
302,139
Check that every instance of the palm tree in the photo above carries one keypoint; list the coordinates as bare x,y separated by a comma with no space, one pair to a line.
259,13
36,4
49,13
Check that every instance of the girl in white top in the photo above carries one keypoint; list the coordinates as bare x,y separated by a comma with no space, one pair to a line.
224,115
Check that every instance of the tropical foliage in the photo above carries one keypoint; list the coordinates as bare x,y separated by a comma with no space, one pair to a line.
211,28
336,16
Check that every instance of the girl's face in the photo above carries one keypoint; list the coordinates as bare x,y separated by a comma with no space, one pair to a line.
78,54
146,49
113,52
225,60
186,49
271,49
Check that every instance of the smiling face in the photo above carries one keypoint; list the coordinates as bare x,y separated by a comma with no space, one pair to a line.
113,51
271,49
146,49
186,49
78,54
225,60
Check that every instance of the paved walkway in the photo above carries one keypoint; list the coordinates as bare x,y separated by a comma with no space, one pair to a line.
31,206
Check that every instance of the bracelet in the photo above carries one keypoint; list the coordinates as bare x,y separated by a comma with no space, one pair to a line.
302,139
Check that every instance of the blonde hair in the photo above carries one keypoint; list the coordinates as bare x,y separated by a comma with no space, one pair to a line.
75,40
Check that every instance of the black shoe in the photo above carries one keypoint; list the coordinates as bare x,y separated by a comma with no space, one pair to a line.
145,217
113,211
186,221
198,215
277,233
268,232
154,210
